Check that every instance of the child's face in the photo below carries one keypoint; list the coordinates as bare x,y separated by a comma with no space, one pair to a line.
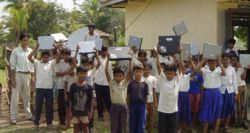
45,58
230,45
118,77
72,65
142,58
65,56
234,61
82,75
103,54
146,71
170,75
195,62
87,65
57,56
225,61
138,73
212,64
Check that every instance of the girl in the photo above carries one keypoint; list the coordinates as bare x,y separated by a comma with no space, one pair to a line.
212,102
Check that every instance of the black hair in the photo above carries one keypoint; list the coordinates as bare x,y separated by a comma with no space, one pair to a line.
23,35
72,60
235,56
104,48
226,56
88,60
137,68
231,41
142,53
66,51
147,65
45,52
117,71
81,69
171,68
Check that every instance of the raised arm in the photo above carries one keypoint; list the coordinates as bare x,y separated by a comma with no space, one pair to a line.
158,64
130,71
181,63
77,50
223,70
30,56
107,70
97,59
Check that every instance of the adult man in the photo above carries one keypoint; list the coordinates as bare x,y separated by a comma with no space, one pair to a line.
20,78
91,35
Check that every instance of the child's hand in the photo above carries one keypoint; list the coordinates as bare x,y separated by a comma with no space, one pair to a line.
180,49
158,49
77,47
37,45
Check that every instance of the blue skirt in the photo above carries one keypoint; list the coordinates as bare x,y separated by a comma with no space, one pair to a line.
184,113
228,104
211,106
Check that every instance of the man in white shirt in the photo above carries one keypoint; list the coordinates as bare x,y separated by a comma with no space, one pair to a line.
91,35
20,78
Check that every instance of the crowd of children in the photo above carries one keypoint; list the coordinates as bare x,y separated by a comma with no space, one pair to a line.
182,93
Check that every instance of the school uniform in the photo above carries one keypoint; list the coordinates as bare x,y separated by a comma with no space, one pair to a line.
168,104
196,83
228,90
184,113
137,92
212,100
119,109
102,87
151,82
152,62
61,66
44,85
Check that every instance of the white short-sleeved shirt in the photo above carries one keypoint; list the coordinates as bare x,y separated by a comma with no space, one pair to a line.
168,101
239,72
212,79
100,76
229,81
70,80
91,74
88,37
168,60
152,83
185,82
60,67
44,74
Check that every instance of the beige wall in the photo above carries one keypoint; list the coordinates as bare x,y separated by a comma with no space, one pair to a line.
204,19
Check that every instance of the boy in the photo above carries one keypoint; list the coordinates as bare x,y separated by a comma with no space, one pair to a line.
44,85
101,84
151,100
229,90
80,97
61,69
137,99
118,92
168,100
68,80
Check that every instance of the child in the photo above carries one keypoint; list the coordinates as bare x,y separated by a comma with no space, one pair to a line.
242,89
196,83
142,56
101,84
137,99
118,92
184,111
228,89
230,47
168,100
61,69
80,97
152,61
44,85
68,80
212,102
151,99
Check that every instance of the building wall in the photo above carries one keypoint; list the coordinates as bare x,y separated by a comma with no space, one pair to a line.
149,19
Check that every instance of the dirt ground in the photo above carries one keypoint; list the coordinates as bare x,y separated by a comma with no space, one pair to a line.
27,126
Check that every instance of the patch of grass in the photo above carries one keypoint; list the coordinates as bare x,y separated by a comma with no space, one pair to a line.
3,79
